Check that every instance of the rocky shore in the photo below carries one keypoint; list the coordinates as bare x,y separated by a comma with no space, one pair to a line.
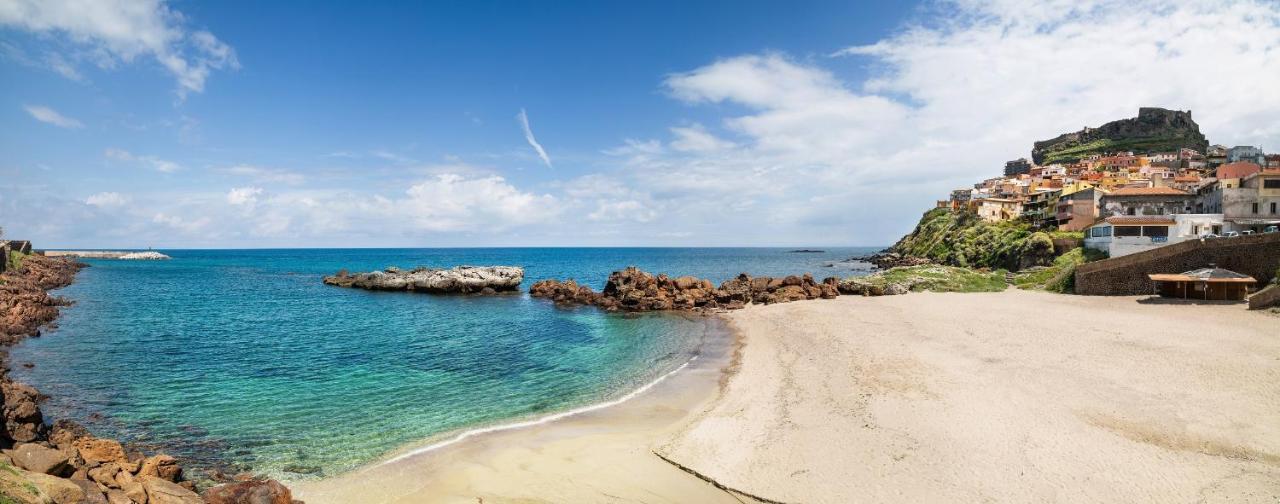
635,290
458,280
63,463
887,259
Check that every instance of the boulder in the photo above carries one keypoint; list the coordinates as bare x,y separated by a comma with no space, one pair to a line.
135,491
23,421
40,459
249,492
93,449
115,496
64,433
92,494
162,491
634,290
160,466
458,280
58,490
105,474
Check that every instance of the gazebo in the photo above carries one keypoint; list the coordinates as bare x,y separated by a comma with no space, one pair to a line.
1205,283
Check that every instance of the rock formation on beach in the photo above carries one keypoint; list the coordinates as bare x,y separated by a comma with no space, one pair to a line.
635,290
64,463
458,280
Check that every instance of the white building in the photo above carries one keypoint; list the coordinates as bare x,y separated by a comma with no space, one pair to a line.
1126,234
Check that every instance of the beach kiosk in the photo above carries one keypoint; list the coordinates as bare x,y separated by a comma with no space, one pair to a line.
1210,283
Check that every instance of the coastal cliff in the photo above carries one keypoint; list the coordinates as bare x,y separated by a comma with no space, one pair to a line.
459,280
63,462
635,290
961,238
1154,130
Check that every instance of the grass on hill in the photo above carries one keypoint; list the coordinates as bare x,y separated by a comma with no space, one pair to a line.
1059,277
963,239
15,260
938,278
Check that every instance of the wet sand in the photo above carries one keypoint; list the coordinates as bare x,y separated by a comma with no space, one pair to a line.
1001,397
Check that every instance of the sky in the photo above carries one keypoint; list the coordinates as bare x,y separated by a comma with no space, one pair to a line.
230,124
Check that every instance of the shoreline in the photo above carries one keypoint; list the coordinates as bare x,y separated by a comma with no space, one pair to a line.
620,431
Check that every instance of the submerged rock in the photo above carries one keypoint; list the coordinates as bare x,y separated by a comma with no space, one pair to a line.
459,280
635,290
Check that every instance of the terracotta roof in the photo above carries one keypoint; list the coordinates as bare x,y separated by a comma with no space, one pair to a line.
1148,191
1238,169
1140,220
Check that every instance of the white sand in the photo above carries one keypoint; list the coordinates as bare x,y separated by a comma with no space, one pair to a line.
1009,397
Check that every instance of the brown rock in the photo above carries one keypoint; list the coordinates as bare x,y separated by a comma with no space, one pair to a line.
162,491
59,490
135,491
92,494
249,492
93,449
22,419
65,432
161,466
105,474
40,459
115,496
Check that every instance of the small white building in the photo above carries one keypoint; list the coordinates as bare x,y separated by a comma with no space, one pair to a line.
1126,234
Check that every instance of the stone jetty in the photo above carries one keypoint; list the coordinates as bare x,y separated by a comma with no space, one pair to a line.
149,255
635,290
458,280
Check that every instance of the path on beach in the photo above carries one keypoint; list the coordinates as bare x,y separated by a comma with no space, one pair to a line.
1005,397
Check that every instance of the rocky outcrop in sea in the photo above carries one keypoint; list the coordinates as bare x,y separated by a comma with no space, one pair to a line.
887,259
64,463
458,280
635,290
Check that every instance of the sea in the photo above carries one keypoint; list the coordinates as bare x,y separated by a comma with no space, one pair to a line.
243,360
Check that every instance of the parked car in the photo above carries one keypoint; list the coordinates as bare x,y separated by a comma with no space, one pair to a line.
1209,236
1246,232
1231,234
1271,229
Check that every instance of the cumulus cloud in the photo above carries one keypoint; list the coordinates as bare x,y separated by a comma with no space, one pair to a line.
51,116
110,32
153,162
107,199
533,142
244,196
950,97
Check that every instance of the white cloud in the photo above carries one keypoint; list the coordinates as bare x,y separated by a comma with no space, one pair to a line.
153,162
533,142
696,138
267,174
244,196
451,202
107,199
109,32
51,116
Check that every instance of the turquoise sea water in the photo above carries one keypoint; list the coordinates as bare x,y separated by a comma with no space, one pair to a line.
244,359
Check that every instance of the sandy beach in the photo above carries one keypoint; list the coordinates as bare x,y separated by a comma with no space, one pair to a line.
915,398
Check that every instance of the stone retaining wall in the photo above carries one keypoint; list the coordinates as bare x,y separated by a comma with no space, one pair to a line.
1256,256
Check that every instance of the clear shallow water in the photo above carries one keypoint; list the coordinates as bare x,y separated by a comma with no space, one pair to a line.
243,357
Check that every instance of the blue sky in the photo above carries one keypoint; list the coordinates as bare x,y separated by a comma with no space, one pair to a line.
252,124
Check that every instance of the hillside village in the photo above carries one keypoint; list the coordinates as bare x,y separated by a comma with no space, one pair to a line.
1127,201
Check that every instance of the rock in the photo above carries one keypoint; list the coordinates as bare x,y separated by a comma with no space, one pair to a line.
105,474
93,449
64,433
115,496
22,418
249,492
161,491
459,280
634,290
135,491
896,289
92,494
40,459
161,466
59,490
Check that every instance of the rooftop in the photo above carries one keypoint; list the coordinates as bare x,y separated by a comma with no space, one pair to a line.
1148,191
1210,274
1140,220
1238,169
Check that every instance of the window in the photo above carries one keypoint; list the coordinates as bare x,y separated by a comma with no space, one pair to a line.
1273,208
1128,230
1155,231
1271,184
1133,211
1255,209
